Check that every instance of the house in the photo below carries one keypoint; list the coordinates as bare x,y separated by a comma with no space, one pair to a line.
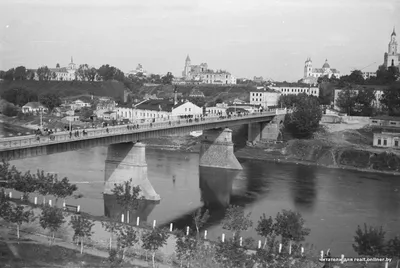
106,104
71,118
214,111
387,139
265,97
238,101
196,94
109,115
34,107
385,121
78,104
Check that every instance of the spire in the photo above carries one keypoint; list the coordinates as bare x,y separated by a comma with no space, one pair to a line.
394,31
72,61
187,58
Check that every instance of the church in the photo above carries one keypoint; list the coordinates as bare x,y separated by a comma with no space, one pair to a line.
311,74
203,75
392,58
65,73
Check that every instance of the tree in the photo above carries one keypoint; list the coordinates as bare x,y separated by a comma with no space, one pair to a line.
9,110
364,102
20,73
199,219
19,96
326,93
30,75
305,117
9,75
185,247
265,228
236,220
7,173
114,258
17,215
167,79
53,75
50,100
230,254
391,99
287,101
127,195
153,240
86,112
198,101
127,237
82,72
5,206
2,74
393,248
370,241
107,72
45,183
91,74
290,226
82,228
62,188
57,65
356,77
51,218
346,100
112,227
26,183
44,73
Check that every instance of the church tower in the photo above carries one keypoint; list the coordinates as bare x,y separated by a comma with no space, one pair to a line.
392,56
307,68
186,70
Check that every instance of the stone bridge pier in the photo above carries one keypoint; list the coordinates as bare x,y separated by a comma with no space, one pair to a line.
269,131
217,149
127,161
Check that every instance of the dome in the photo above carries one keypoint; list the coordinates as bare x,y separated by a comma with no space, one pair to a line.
326,64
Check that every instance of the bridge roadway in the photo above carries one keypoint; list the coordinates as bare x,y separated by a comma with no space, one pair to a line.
20,147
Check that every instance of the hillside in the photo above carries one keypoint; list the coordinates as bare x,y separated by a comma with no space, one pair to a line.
69,88
211,92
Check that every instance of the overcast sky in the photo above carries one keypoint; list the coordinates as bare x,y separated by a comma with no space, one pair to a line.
255,37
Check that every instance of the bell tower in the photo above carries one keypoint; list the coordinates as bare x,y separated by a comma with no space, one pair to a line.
186,70
307,68
392,56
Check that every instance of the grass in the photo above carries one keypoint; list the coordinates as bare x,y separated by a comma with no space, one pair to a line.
29,254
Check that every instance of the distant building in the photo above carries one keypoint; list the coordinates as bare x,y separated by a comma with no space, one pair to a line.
258,79
34,107
311,74
385,121
201,73
139,69
78,104
221,111
368,75
65,73
392,57
294,90
264,98
196,94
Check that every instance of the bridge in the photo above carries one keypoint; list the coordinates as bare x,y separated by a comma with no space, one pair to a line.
126,154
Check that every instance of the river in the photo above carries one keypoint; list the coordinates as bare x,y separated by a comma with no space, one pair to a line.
332,201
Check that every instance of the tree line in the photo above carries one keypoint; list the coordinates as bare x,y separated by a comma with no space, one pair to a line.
85,72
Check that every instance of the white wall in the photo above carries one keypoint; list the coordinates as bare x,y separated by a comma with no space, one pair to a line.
187,108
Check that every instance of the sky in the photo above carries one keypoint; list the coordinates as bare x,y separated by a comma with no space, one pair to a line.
269,38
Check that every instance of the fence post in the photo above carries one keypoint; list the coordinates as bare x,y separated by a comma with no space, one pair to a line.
10,195
187,230
127,216
322,254
154,223
78,209
290,248
137,221
342,259
170,227
205,234
241,241
50,202
259,243
223,238
63,203
280,248
35,200
302,251
387,264
122,217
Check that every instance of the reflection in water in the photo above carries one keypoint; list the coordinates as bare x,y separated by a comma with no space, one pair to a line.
114,210
303,188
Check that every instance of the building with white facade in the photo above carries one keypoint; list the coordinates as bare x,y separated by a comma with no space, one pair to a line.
34,107
265,98
202,74
294,90
139,70
78,104
392,57
311,74
65,73
368,75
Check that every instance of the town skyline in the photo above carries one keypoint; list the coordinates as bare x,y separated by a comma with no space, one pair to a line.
246,40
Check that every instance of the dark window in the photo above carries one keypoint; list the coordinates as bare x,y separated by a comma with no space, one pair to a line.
379,141
396,143
385,142
393,123
374,121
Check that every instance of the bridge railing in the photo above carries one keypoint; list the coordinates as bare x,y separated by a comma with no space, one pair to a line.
65,136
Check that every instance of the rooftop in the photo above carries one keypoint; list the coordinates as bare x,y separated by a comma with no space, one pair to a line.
33,104
386,117
158,105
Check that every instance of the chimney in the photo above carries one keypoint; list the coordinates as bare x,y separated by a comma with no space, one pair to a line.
175,96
